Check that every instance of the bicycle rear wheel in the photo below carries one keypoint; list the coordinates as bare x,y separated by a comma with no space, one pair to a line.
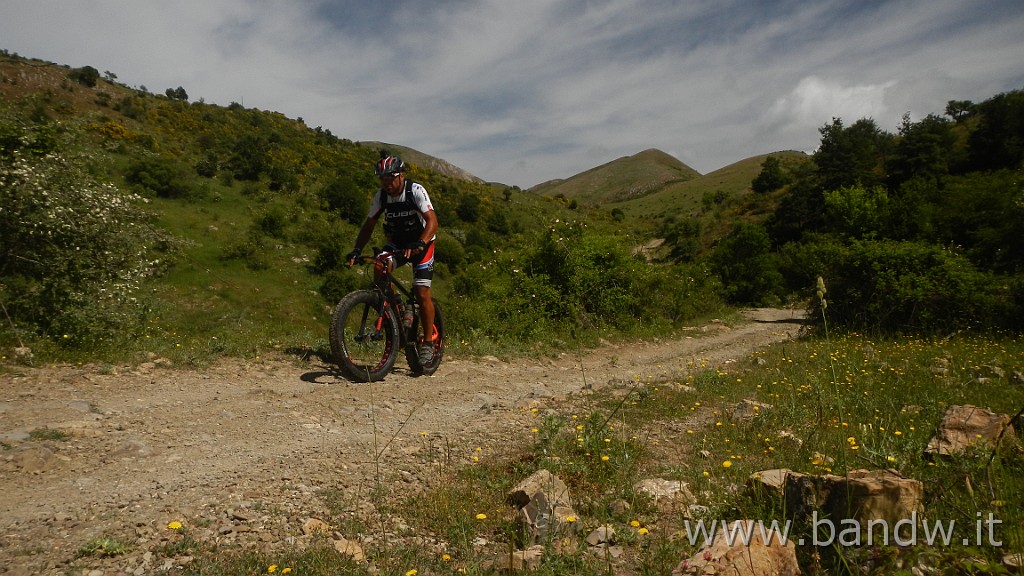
364,336
412,354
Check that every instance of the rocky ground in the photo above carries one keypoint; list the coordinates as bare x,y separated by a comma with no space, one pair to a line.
245,450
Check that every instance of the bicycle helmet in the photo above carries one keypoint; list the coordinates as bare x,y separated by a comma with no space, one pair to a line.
388,164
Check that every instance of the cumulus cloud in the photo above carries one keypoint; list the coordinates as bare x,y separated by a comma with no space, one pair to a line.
814,101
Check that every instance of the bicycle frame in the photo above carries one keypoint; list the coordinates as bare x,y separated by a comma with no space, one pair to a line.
386,284
386,314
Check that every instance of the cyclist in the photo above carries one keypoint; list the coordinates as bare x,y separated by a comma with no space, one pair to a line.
409,226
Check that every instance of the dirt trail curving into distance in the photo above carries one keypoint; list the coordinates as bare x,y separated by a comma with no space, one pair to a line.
241,451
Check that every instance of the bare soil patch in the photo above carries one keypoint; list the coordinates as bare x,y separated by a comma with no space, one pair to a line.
243,451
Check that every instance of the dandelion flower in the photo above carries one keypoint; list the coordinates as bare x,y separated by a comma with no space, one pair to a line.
481,516
727,464
642,531
286,571
635,524
446,557
604,458
412,572
272,568
174,525
570,519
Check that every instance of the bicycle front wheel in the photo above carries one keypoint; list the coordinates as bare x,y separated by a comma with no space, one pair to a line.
364,336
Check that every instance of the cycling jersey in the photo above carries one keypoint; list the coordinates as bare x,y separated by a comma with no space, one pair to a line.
403,214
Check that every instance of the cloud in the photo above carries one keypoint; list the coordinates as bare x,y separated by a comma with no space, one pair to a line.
814,101
526,91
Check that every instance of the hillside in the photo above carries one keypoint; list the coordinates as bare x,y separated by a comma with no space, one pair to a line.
425,161
687,197
628,177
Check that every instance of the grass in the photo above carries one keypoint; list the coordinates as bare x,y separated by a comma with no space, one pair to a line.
830,406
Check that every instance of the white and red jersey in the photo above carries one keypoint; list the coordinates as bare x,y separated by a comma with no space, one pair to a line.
403,214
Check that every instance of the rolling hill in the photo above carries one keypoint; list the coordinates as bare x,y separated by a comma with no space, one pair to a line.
689,196
621,179
425,161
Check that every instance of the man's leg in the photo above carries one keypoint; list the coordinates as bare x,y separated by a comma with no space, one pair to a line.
426,312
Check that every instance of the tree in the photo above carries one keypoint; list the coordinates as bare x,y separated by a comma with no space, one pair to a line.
468,208
851,156
771,178
959,110
923,150
998,141
748,268
177,94
684,238
857,212
344,197
73,258
86,76
250,157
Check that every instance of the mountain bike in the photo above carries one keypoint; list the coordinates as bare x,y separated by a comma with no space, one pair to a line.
369,327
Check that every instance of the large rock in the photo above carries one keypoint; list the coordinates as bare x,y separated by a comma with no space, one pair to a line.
544,508
669,496
861,495
768,481
753,557
516,562
964,426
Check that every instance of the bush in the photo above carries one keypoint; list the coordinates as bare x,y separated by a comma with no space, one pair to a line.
747,266
86,76
74,251
161,176
909,287
449,251
346,198
339,282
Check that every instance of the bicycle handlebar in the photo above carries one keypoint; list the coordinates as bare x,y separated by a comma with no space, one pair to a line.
363,259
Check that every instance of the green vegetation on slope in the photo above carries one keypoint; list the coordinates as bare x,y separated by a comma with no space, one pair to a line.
239,218
251,213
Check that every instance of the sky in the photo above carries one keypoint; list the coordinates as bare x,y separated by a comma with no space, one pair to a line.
525,91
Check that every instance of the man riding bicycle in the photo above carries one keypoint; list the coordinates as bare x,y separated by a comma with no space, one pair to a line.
410,226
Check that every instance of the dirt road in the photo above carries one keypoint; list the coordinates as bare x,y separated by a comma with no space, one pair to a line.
242,450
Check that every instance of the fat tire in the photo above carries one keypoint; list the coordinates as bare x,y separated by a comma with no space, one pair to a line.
412,353
348,316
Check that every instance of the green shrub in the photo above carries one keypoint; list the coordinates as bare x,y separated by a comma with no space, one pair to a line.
347,198
909,286
747,266
74,251
159,175
448,250
339,282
